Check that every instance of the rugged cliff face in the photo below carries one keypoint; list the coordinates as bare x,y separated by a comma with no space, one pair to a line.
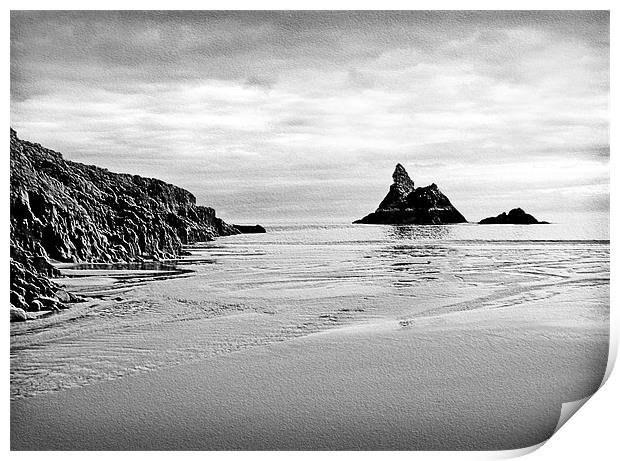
68,211
406,204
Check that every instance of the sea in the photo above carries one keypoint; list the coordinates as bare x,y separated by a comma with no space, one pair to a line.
247,291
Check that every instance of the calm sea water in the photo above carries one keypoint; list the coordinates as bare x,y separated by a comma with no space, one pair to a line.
250,290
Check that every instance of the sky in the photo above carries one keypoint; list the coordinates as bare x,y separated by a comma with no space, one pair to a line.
302,116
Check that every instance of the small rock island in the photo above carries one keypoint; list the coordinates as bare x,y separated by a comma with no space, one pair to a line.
406,204
514,216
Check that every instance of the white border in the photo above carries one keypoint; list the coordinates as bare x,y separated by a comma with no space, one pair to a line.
592,434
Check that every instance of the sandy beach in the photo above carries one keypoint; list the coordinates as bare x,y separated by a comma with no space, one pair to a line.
473,380
423,345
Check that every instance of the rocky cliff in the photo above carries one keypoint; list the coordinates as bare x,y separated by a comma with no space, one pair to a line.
255,229
514,216
67,211
406,204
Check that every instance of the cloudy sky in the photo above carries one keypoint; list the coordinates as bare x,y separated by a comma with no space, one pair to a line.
294,116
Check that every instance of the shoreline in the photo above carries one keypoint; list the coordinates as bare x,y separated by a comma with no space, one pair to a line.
278,357
100,280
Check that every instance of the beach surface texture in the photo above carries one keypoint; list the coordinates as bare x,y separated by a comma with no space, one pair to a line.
417,348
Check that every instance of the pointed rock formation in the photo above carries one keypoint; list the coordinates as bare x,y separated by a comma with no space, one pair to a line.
514,216
406,204
399,190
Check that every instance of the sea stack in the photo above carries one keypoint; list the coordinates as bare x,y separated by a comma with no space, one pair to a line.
406,204
514,216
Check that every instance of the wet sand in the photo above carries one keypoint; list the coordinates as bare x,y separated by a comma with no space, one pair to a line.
469,380
376,341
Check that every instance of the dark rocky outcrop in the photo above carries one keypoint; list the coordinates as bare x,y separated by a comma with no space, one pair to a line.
19,315
67,211
256,229
514,216
406,204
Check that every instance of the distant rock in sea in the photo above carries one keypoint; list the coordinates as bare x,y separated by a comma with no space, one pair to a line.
256,229
406,204
514,216
70,212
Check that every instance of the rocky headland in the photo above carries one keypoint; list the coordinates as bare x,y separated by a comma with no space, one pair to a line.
514,216
70,212
406,204
256,229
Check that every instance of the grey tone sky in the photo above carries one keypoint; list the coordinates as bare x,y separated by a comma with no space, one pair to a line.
303,115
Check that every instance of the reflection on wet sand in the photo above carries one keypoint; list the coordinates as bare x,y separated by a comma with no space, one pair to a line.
413,232
104,279
169,265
